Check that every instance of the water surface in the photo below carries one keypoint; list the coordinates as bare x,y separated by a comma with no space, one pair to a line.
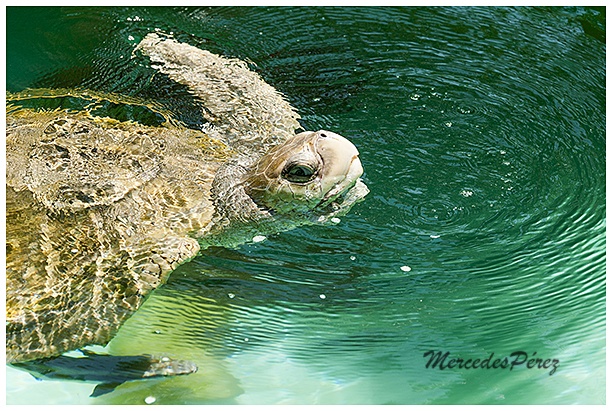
482,134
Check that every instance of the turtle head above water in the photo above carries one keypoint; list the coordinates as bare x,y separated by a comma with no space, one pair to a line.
313,175
310,178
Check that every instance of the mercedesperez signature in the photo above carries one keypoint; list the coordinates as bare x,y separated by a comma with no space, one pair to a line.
515,360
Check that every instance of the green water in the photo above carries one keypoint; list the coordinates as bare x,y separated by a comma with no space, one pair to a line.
482,135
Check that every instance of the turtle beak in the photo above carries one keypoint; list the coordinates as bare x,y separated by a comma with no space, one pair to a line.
355,171
342,167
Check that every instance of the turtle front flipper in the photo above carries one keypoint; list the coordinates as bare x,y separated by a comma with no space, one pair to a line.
235,101
110,371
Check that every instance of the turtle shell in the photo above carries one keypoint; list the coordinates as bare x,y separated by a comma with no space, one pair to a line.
100,211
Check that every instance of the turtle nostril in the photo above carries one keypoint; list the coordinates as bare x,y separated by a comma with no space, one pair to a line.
323,135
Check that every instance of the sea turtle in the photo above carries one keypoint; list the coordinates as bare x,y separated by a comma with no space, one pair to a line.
99,211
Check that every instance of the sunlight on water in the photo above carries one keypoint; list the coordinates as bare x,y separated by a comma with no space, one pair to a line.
482,134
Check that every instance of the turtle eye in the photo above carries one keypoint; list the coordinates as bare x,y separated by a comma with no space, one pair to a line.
299,173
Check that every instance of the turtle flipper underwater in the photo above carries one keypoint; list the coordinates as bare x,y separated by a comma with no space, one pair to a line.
108,370
100,211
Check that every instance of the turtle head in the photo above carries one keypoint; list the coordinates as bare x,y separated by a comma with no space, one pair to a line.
313,175
310,178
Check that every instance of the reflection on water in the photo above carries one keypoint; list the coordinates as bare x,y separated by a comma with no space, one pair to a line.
482,136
